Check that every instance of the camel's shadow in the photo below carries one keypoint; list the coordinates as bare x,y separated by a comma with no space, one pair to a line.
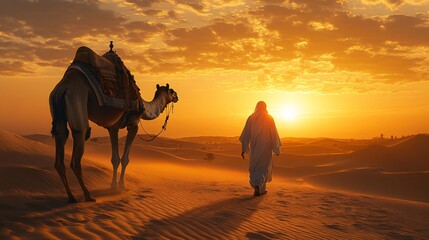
44,203
106,192
221,217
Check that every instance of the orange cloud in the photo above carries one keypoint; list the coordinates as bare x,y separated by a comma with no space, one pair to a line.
11,67
259,35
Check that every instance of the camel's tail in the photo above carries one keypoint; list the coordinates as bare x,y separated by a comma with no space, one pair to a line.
58,111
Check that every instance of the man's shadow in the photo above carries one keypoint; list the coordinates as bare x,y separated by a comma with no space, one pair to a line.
221,217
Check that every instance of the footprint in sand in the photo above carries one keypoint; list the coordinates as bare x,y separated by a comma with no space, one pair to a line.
147,190
53,223
222,216
336,227
205,190
284,217
283,202
143,193
156,222
103,217
141,196
394,235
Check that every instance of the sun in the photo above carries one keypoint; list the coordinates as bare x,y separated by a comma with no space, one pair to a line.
289,113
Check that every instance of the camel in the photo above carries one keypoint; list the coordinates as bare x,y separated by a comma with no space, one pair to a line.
73,101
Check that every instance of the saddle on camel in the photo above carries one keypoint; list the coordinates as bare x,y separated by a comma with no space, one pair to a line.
112,82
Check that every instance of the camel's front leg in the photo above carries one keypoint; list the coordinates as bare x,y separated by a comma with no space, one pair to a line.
115,155
132,131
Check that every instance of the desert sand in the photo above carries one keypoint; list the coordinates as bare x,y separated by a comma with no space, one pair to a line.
197,188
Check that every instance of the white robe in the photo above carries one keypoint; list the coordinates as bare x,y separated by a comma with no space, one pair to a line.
260,138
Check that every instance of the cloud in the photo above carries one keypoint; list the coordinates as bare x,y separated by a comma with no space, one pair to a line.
389,3
305,76
388,7
141,31
407,30
58,19
12,67
319,38
48,32
319,4
212,46
273,2
17,51
193,4
392,68
143,3
153,12
333,34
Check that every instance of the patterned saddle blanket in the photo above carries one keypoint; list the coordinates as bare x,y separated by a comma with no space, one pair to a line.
111,80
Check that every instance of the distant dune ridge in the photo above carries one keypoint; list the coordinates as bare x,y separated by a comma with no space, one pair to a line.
402,159
411,154
198,188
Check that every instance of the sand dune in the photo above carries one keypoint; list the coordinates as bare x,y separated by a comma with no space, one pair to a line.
197,188
399,170
408,155
45,139
408,185
411,154
18,151
28,166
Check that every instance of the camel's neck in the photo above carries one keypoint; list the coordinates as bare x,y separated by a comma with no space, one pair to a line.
154,108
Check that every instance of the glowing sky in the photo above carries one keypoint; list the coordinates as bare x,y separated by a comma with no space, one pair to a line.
353,68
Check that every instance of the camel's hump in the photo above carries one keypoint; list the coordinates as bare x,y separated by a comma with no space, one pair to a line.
85,55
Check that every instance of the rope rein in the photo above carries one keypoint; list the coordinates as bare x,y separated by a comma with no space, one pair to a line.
170,109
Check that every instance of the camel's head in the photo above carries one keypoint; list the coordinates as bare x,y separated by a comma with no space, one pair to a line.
169,92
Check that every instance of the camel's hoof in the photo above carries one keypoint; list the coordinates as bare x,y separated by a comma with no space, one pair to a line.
90,199
72,200
122,188
114,186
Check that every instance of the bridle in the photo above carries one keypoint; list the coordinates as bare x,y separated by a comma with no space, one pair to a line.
170,109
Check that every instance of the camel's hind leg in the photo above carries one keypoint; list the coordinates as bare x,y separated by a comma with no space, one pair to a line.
77,115
61,135
115,155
